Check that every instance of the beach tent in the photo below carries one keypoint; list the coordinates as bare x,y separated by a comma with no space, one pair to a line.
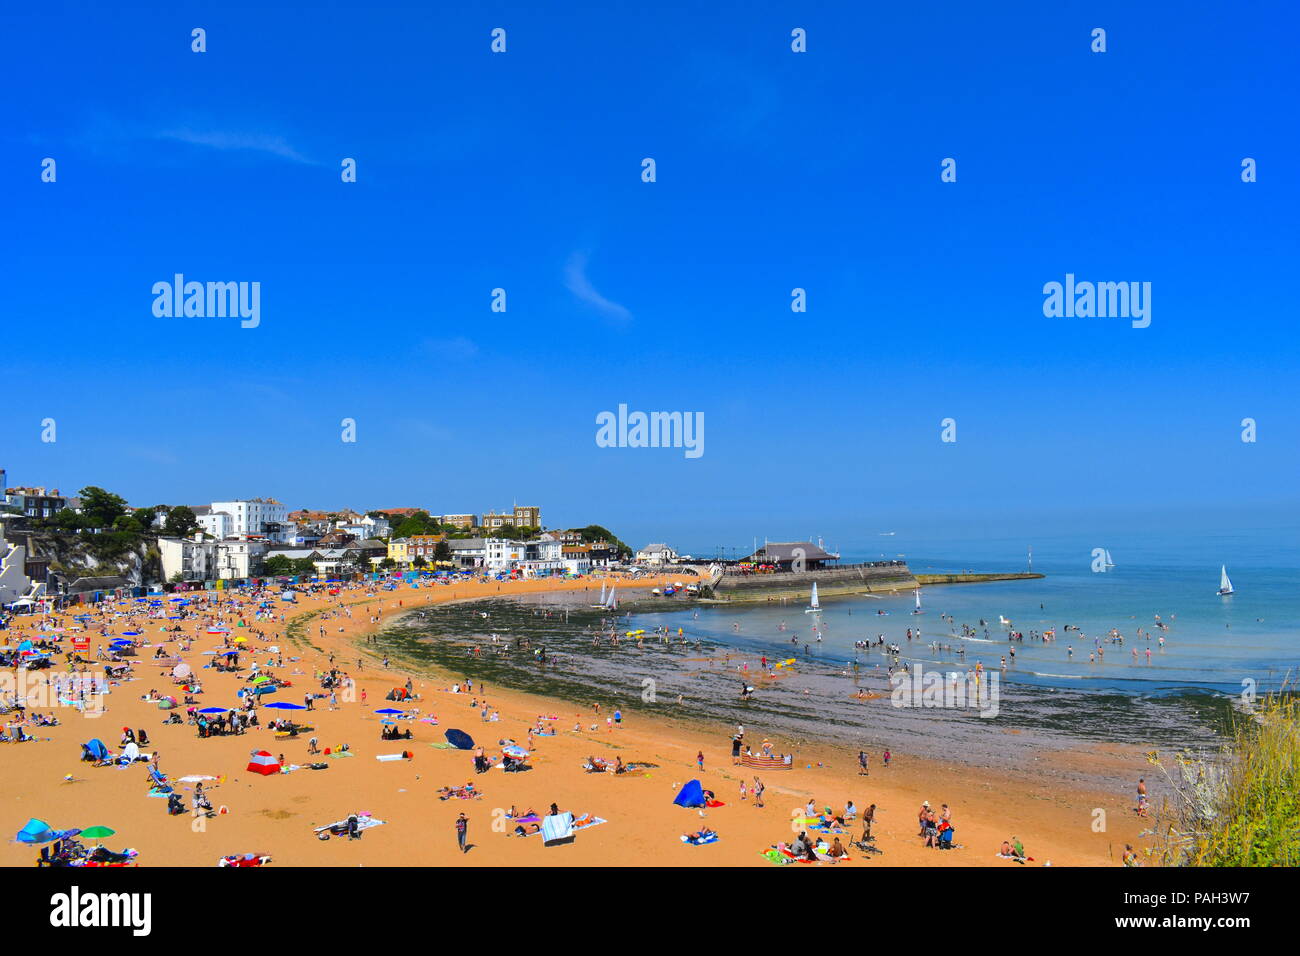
263,763
459,739
38,831
692,795
181,670
94,750
557,828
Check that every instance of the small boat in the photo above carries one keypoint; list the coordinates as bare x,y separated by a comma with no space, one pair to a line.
814,605
1109,563
1225,586
918,609
604,599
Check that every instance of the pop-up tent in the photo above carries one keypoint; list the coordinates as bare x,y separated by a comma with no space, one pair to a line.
38,831
692,795
459,739
94,750
263,763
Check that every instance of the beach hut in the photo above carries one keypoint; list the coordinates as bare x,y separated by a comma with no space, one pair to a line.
263,763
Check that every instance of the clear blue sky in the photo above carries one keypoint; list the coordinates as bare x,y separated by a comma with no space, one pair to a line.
775,170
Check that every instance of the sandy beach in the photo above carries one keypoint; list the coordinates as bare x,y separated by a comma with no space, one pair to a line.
276,814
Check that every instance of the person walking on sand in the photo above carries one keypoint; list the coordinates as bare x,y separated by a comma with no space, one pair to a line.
1142,797
758,792
462,829
862,764
699,760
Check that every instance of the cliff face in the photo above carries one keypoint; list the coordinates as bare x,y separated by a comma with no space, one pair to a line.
73,556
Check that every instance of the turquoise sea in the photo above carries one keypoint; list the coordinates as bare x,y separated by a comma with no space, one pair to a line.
1212,643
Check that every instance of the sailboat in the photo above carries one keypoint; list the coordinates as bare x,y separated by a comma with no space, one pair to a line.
1110,563
1225,586
917,609
602,602
814,606
612,603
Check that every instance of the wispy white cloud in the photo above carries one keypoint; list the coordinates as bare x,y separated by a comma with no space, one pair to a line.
231,140
575,279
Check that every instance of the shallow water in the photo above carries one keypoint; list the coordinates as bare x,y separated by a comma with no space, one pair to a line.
814,703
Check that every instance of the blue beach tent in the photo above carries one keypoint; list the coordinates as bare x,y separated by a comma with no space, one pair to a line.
692,795
95,750
459,739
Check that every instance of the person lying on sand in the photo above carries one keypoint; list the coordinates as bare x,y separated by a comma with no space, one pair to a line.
699,835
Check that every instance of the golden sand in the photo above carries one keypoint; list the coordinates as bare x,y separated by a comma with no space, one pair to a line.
276,814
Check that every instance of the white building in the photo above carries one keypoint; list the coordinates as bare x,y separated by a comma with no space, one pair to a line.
468,552
189,558
240,559
255,517
14,583
500,554
216,524
656,554
365,527
544,556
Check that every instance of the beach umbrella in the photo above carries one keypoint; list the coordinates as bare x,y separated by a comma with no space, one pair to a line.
214,710
459,739
388,710
519,753
97,833
285,705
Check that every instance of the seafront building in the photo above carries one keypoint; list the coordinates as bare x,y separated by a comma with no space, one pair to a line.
656,554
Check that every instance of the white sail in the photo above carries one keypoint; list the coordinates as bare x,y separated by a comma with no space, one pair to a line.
613,598
603,596
1225,585
814,603
918,599
1110,562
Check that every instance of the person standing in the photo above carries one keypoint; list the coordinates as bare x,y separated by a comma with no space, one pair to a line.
862,764
462,830
699,760
758,792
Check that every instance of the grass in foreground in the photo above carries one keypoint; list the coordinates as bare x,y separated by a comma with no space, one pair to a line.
1240,809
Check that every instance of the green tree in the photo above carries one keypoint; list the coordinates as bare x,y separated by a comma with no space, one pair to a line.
181,522
144,516
442,551
277,565
100,508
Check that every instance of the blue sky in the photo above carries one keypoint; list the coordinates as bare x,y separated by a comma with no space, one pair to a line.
775,170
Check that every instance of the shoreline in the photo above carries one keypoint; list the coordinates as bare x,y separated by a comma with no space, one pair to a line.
274,815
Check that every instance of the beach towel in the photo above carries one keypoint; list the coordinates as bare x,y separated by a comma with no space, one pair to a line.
710,838
556,827
388,757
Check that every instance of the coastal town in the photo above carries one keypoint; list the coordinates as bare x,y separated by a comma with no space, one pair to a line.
94,544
